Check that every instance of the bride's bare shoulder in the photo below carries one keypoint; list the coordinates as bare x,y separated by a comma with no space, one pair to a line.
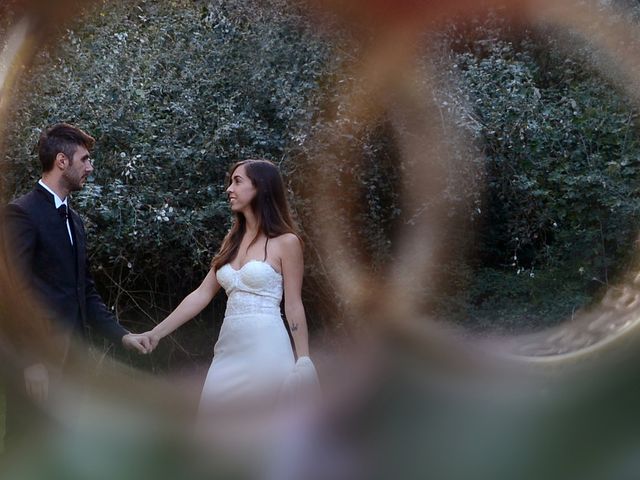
287,242
287,239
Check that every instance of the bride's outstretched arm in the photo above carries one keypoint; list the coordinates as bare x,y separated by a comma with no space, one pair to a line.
188,308
292,271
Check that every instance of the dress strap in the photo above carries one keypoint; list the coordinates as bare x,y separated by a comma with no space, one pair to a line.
265,249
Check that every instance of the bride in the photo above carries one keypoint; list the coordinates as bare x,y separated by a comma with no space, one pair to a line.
260,260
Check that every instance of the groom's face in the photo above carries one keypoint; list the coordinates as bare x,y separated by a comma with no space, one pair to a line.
78,169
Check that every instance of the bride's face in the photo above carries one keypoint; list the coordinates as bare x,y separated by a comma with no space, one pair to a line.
241,190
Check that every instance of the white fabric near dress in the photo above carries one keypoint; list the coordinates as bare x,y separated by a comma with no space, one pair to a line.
253,356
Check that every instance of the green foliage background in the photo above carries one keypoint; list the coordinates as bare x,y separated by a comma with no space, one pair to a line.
562,164
177,91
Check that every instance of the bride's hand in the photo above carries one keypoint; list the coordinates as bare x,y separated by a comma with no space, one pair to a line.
153,338
302,384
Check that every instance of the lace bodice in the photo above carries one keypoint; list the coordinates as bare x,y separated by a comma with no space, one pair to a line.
256,288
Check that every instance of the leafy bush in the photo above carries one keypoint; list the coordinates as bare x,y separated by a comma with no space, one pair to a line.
561,201
176,91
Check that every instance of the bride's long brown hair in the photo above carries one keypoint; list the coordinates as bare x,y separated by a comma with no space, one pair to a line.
270,205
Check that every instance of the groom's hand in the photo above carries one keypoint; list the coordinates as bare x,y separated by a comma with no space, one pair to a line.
138,342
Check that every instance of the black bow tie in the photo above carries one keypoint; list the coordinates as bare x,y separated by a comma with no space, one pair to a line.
62,210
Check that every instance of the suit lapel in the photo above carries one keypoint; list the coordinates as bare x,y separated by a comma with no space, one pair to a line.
79,243
54,216
54,226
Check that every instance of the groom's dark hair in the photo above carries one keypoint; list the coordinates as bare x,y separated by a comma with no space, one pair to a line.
61,138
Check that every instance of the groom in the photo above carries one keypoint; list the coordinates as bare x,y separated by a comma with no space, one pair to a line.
47,245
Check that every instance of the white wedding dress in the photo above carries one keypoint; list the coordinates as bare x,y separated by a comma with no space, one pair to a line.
253,356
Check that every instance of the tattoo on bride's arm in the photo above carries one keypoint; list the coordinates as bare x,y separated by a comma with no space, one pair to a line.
294,327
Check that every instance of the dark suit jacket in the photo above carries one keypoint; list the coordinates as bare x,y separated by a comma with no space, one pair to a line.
54,271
